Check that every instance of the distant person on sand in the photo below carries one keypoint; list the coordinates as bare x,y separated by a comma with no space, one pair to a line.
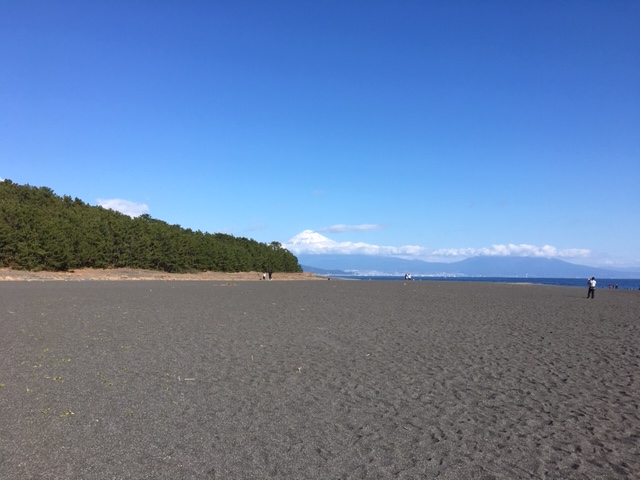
270,274
592,287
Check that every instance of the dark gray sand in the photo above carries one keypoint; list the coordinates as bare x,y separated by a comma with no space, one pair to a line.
334,379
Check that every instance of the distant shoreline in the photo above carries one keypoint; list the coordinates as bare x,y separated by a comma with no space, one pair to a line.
603,283
129,274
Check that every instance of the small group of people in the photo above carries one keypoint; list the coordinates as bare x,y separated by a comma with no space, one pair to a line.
407,276
264,275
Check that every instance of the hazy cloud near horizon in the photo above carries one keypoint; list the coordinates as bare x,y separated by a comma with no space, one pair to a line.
357,248
311,242
512,250
124,206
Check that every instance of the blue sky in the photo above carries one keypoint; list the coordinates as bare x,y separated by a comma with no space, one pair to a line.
439,130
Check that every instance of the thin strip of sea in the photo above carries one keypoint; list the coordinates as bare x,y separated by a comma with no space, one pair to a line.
621,284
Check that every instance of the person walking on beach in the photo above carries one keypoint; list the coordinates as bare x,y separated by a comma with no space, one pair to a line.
592,287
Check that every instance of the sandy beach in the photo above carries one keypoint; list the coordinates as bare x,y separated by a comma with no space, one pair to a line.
326,379
129,274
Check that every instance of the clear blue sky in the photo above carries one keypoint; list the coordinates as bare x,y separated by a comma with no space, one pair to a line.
458,128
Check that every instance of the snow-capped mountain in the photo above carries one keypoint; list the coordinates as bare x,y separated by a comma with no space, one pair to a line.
310,242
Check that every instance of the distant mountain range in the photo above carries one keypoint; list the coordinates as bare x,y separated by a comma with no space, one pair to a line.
486,266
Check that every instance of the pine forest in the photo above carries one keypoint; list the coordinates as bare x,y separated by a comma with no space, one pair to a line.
40,230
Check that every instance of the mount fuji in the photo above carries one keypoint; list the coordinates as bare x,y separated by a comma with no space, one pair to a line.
311,242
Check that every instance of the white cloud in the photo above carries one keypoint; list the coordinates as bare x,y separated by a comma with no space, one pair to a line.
522,250
315,243
381,250
350,228
124,206
311,242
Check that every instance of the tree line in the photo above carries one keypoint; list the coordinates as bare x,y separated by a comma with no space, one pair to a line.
40,230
